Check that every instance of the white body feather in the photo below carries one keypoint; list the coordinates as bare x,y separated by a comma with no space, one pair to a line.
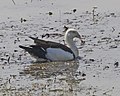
57,54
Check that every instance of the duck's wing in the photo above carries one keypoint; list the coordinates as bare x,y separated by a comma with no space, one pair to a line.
43,42
49,44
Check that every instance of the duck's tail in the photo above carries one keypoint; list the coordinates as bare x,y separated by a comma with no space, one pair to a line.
25,48
35,51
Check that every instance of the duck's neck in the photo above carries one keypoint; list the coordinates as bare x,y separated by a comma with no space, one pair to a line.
71,44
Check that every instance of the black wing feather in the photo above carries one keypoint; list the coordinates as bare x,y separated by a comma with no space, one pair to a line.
50,44
35,51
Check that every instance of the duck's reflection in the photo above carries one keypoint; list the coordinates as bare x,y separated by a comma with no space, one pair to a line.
56,73
46,70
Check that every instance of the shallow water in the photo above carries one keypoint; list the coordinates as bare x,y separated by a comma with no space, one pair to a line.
97,72
41,79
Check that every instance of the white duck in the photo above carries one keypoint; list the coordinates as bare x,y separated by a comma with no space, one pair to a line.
52,51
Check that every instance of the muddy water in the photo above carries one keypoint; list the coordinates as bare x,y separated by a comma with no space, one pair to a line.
97,72
19,75
41,79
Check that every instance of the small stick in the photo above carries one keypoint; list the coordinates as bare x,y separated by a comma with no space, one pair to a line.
13,2
93,13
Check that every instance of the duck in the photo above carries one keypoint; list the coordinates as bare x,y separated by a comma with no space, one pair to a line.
52,51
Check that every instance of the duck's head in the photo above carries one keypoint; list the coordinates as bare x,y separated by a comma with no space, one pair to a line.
72,33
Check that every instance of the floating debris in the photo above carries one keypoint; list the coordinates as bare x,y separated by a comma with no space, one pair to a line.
23,20
74,10
106,67
116,64
50,13
53,35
